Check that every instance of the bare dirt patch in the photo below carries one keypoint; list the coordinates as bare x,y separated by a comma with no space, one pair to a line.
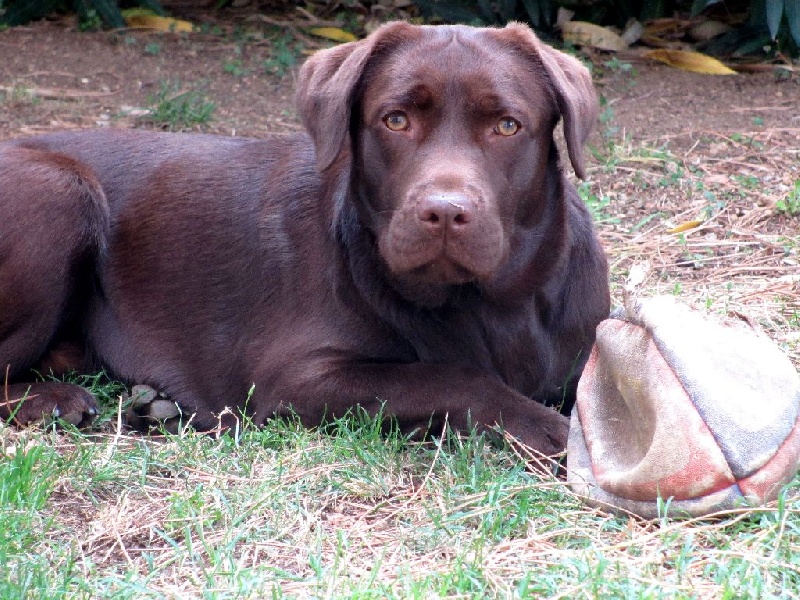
55,78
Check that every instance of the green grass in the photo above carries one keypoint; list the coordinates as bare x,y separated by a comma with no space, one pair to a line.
354,511
598,204
21,95
152,48
26,487
235,67
177,109
285,53
286,512
790,203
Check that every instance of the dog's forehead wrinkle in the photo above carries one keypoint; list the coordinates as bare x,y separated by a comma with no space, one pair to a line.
474,84
445,54
458,37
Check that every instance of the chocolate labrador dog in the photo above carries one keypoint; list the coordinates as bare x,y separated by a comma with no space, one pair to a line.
419,252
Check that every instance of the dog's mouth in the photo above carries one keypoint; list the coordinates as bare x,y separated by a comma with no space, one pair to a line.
442,271
437,263
442,259
432,284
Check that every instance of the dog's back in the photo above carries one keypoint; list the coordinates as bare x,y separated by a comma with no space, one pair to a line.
113,237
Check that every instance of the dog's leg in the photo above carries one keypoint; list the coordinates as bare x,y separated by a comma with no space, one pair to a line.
53,223
419,395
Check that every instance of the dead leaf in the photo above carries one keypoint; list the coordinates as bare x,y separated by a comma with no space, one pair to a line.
581,33
702,32
690,61
333,33
667,27
633,32
686,226
58,93
637,275
156,23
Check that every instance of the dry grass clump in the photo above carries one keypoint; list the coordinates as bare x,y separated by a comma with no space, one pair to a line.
717,224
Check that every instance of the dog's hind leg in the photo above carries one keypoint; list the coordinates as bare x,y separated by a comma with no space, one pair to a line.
53,227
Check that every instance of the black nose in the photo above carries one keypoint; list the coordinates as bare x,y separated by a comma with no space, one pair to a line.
441,210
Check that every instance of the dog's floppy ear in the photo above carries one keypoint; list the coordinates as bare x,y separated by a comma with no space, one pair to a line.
328,82
572,85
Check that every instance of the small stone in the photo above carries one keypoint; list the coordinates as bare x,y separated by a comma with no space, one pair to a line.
142,395
161,410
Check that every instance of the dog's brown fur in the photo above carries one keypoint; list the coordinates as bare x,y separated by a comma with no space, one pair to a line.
442,268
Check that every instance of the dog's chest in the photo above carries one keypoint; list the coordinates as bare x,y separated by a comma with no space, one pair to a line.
512,344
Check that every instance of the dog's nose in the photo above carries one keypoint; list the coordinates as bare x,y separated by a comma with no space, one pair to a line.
442,210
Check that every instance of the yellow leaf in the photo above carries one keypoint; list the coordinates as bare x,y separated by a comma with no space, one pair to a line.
154,22
690,61
667,27
588,34
686,226
333,33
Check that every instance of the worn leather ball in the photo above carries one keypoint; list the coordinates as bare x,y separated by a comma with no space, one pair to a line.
681,413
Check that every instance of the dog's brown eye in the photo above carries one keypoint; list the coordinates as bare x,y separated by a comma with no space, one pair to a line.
507,126
396,121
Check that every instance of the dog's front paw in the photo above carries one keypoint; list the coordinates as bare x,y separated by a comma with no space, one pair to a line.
552,434
27,403
541,428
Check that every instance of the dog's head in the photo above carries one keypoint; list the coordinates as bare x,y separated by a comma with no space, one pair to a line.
448,136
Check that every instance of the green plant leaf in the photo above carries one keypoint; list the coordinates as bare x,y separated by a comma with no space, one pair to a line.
486,10
774,15
532,9
540,12
450,11
507,9
152,5
792,10
107,10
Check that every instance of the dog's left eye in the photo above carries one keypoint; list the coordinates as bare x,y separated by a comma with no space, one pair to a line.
507,126
396,121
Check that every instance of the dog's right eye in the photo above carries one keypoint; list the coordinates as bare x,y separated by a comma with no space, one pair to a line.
396,121
507,126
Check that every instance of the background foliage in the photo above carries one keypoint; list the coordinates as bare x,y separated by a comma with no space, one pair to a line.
90,12
768,20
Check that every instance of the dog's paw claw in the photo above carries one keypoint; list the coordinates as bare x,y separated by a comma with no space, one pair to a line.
49,401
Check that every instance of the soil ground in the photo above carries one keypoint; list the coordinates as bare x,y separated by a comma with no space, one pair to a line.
55,77
672,148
